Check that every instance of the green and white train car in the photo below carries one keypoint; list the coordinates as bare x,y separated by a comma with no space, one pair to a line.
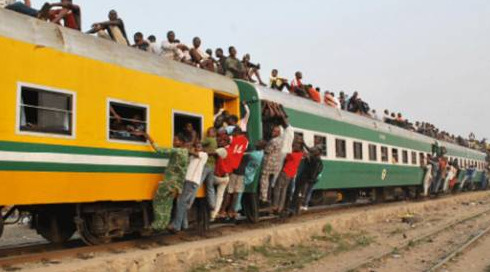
361,153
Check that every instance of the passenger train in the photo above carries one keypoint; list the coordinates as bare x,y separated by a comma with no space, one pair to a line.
64,160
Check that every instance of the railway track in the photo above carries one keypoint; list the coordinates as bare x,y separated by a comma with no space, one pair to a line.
49,253
366,262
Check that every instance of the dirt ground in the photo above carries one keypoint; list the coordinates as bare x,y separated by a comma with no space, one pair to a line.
375,241
398,238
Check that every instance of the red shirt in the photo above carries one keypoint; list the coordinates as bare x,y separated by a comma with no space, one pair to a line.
222,166
292,163
71,19
236,150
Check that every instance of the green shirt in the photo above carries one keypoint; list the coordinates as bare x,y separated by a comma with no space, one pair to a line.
176,167
209,145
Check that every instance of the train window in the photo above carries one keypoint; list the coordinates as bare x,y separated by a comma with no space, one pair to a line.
394,155
43,111
357,150
384,153
127,121
183,121
414,158
405,156
340,148
421,158
373,153
321,141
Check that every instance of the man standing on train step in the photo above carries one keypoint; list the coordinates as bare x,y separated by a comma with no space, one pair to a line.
171,187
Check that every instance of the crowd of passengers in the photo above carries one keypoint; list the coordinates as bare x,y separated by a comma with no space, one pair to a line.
442,174
69,15
224,161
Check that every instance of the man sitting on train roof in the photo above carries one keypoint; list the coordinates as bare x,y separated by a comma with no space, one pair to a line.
278,83
199,57
233,66
251,70
139,42
65,12
297,87
174,50
114,27
221,60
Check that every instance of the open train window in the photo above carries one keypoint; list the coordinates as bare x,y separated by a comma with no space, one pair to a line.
414,158
185,123
45,111
384,153
405,156
127,121
373,153
340,148
394,155
357,150
322,142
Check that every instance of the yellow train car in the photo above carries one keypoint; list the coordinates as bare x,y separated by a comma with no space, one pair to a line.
67,101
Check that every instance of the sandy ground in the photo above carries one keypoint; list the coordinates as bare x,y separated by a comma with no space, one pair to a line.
476,258
345,249
374,232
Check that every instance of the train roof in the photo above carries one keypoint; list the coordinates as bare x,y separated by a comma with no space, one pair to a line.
321,110
43,34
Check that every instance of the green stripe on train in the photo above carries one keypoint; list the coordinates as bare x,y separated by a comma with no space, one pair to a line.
79,168
64,149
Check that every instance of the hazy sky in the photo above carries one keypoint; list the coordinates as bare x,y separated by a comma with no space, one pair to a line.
429,59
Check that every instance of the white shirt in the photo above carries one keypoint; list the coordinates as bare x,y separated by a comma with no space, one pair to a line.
155,48
287,140
4,3
196,168
170,50
337,102
244,122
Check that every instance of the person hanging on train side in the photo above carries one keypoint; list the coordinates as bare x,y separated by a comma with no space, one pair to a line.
171,187
210,145
271,163
254,161
313,167
193,179
288,172
236,150
222,170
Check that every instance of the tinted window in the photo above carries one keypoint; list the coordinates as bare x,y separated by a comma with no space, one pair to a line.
45,111
373,153
394,155
321,141
357,151
384,153
405,156
340,151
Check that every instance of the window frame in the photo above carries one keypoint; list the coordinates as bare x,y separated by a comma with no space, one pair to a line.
397,155
345,148
323,137
190,114
414,158
387,154
375,149
108,123
18,131
405,159
359,144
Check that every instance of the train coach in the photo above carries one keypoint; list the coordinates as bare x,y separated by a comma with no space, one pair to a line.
361,156
63,157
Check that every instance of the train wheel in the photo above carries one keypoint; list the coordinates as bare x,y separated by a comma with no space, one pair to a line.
379,195
202,216
250,204
90,238
54,226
